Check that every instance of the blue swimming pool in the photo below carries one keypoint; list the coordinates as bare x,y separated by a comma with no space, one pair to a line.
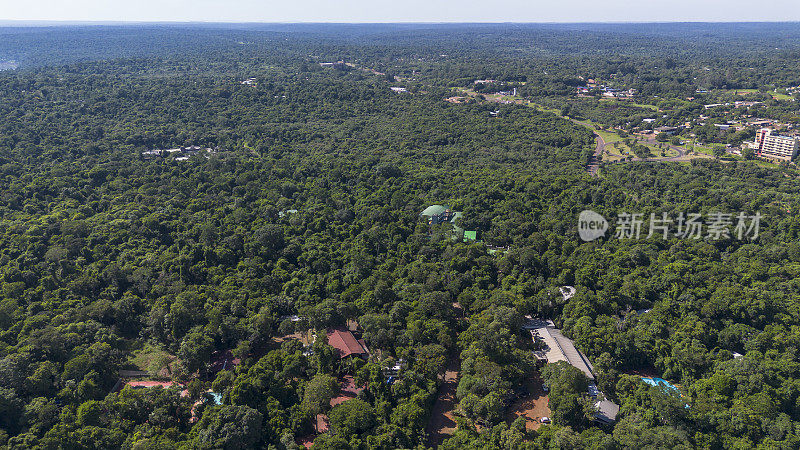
216,398
660,382
663,383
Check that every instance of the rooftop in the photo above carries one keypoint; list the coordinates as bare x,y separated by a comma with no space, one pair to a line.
434,210
606,411
560,348
345,343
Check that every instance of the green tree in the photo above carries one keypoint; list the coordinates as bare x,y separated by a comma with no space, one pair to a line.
352,417
431,360
195,349
318,393
229,427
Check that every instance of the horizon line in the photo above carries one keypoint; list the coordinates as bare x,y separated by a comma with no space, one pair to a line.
29,22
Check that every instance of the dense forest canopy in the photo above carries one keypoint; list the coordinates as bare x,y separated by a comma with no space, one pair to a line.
305,217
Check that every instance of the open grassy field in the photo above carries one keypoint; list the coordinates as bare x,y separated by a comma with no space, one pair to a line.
664,153
766,164
774,94
617,151
608,136
698,149
638,105
642,105
150,359
779,96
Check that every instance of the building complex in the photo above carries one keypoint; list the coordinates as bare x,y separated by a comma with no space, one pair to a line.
771,145
557,347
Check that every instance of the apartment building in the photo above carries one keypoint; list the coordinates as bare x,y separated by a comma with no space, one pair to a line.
770,145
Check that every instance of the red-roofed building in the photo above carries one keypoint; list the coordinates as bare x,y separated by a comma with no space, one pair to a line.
346,344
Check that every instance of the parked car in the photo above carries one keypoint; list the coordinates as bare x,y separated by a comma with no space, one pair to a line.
544,420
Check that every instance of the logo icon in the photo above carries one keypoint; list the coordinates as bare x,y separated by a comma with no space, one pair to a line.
591,225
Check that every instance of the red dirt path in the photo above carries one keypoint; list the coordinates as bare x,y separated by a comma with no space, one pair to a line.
442,425
532,408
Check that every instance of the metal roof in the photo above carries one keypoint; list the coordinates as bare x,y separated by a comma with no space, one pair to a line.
434,210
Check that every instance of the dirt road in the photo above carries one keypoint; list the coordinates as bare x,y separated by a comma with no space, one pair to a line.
532,408
441,425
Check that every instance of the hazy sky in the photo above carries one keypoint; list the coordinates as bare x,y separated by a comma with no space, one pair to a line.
402,10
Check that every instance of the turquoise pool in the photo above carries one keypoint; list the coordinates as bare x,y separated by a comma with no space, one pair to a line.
216,398
660,382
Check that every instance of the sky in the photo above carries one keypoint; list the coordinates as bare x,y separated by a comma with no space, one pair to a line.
401,10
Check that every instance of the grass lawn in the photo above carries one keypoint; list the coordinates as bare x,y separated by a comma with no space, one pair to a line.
657,151
778,96
774,94
148,356
642,105
699,149
618,151
638,105
607,136
550,110
766,164
669,153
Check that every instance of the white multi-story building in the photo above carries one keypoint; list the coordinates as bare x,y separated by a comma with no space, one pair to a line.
771,145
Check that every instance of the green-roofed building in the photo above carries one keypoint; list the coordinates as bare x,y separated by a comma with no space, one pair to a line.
434,210
438,214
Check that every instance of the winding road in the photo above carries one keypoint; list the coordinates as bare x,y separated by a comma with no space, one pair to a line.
594,162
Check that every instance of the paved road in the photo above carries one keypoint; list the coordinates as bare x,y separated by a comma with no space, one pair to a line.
682,154
594,161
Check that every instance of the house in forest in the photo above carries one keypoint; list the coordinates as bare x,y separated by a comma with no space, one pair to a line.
346,344
557,347
436,214
439,214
